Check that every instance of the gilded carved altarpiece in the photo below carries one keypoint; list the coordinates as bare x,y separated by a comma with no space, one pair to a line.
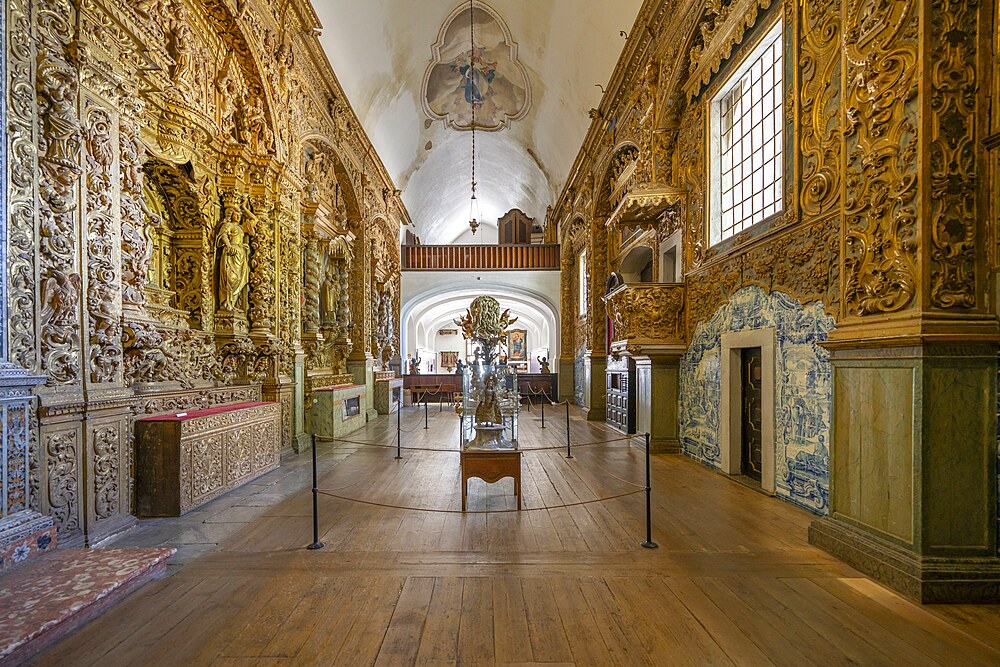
169,146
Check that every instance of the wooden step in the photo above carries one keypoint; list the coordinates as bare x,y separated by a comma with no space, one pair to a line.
50,597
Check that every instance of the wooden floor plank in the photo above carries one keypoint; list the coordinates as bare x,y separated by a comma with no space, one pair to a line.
402,637
734,579
476,635
511,639
439,641
549,642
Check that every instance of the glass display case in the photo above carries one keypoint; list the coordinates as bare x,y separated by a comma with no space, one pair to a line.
489,407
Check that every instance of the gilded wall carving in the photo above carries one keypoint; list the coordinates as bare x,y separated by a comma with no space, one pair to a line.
819,100
881,106
647,312
59,153
953,161
141,137
106,471
103,279
22,156
691,158
62,474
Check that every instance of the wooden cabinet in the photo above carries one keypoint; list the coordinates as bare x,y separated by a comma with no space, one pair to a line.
621,394
185,459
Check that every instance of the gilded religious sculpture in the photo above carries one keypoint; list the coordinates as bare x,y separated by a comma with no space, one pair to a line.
490,392
234,251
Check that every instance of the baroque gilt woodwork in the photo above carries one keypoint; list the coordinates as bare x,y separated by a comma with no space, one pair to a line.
887,235
164,190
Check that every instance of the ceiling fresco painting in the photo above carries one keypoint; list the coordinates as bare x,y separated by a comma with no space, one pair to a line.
495,81
542,68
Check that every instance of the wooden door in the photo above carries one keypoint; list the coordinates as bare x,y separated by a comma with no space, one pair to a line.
751,436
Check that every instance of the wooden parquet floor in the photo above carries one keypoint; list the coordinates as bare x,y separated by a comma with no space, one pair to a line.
733,581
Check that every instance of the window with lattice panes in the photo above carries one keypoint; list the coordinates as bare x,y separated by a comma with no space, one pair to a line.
747,141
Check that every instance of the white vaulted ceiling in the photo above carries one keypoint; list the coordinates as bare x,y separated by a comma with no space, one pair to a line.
381,49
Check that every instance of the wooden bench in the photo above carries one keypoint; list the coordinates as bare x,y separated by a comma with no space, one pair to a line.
185,459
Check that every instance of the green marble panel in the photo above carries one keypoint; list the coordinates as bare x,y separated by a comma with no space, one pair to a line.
958,472
873,435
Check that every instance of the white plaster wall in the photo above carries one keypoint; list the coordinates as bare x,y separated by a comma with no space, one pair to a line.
430,300
380,50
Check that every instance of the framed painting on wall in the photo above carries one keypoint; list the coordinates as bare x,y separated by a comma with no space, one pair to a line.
517,345
449,360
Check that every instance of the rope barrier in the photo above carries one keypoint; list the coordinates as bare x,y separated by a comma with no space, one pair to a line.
436,510
435,449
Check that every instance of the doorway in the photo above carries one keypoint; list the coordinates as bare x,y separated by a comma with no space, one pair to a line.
746,411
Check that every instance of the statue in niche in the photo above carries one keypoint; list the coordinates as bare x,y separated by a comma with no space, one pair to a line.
257,134
313,172
229,90
415,366
61,133
329,297
234,265
182,50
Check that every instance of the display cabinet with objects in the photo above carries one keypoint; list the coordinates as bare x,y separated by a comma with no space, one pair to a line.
490,406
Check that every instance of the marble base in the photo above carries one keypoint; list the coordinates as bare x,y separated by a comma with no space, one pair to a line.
657,402
327,416
662,445
922,578
25,536
384,388
363,372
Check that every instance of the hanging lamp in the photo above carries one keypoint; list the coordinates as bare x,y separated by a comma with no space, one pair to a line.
474,212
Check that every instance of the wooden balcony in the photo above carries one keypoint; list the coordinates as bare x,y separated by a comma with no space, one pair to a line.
525,257
648,318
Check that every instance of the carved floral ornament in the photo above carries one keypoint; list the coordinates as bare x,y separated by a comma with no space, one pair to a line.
721,30
647,314
648,206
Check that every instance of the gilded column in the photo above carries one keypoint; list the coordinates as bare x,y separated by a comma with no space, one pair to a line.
913,489
596,360
311,286
567,312
262,268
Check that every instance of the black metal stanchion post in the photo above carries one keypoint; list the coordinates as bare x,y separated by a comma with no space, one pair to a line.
316,544
425,412
569,451
399,432
543,411
461,431
649,543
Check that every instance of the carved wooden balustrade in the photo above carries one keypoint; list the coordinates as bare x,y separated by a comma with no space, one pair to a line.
648,318
534,256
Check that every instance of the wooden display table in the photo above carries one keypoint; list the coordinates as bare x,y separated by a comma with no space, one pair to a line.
188,458
491,466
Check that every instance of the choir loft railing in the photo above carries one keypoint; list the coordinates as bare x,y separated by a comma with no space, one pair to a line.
534,256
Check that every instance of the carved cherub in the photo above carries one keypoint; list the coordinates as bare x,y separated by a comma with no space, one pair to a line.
543,365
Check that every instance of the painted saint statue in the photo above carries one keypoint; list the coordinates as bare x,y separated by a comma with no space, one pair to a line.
234,265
